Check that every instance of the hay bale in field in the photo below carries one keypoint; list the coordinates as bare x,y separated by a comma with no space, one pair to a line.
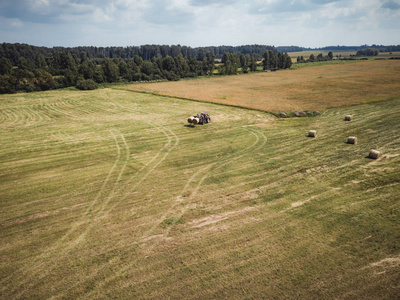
351,140
374,154
190,120
195,121
283,115
348,118
316,113
312,133
299,114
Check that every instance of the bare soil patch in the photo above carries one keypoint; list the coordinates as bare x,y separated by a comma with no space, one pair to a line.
311,89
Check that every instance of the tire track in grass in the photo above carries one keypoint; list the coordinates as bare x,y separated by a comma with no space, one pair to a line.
52,113
77,108
30,118
101,191
169,146
208,169
38,118
41,110
3,116
13,116
221,163
21,117
60,249
17,118
151,165
60,111
97,212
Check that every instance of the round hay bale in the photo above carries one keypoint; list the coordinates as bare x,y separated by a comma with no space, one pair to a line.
312,133
190,120
348,118
374,154
195,121
316,112
351,140
283,115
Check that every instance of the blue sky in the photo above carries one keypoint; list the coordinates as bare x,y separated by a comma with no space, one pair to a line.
308,23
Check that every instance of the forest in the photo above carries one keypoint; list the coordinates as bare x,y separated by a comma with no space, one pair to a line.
30,68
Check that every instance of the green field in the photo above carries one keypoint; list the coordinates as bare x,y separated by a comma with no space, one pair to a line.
108,194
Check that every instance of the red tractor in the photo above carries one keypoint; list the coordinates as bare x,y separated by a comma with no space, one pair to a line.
202,118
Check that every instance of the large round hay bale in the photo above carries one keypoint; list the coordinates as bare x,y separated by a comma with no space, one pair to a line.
283,115
195,121
374,154
312,133
348,118
190,120
352,140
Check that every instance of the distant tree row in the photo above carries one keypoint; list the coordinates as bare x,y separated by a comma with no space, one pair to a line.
313,58
367,52
147,52
231,62
380,48
393,48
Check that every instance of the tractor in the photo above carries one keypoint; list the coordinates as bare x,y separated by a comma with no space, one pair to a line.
202,118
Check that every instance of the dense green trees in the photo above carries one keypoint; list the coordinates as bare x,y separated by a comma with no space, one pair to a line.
272,61
313,58
60,69
29,68
367,52
146,52
230,63
86,84
5,66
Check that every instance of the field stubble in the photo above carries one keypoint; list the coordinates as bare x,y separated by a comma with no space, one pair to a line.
106,194
290,90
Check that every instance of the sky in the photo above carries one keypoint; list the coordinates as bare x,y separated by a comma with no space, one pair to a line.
198,23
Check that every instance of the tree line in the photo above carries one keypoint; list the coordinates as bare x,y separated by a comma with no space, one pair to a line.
63,70
313,58
147,52
367,52
37,72
380,48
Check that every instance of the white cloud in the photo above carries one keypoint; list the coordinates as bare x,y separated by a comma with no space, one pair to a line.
12,23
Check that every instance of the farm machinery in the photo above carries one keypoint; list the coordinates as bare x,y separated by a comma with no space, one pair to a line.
202,118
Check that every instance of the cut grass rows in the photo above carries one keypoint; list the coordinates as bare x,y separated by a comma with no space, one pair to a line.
114,197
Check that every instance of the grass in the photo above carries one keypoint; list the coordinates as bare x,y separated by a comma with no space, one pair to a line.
107,194
291,90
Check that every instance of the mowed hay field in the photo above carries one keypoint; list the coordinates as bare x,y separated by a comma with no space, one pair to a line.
107,194
303,89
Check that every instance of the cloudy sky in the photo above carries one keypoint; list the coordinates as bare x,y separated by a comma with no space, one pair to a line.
307,23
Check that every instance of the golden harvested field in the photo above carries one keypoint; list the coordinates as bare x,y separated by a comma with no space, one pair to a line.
306,54
310,89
